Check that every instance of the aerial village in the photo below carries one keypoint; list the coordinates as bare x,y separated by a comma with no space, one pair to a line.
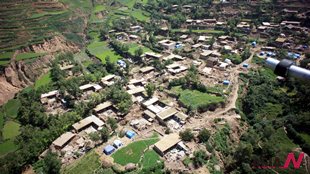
163,86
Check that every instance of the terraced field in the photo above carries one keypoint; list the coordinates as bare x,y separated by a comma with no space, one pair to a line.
24,23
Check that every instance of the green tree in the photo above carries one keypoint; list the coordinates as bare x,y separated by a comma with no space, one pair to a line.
110,66
94,136
200,158
104,134
245,54
51,164
187,135
138,52
56,73
113,123
204,135
104,34
150,89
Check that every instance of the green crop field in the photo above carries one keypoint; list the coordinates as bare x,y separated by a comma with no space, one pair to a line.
133,47
10,130
5,58
44,80
99,8
140,15
32,22
150,159
85,165
23,56
11,108
101,51
133,152
194,99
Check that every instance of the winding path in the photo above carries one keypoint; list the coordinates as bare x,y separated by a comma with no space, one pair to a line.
231,100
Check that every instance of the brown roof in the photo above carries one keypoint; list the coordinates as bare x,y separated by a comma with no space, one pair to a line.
86,122
167,142
167,113
102,106
63,139
181,115
136,90
149,113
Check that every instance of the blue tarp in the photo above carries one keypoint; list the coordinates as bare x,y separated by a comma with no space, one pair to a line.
177,46
293,55
245,65
130,134
254,43
121,63
262,53
226,82
117,143
108,150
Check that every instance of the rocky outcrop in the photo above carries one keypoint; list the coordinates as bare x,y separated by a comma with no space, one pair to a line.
20,74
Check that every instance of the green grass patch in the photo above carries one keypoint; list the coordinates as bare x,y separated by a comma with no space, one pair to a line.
85,165
133,152
99,8
11,108
128,3
23,56
44,80
5,58
10,130
6,55
101,51
270,111
258,60
195,99
150,159
140,15
283,143
220,140
133,47
7,146
38,15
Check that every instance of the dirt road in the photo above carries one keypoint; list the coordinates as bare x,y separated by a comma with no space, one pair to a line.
208,117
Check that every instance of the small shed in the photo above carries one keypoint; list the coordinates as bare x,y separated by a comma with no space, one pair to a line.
226,82
117,143
130,134
108,150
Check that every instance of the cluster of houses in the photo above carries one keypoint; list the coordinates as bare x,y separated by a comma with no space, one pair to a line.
75,143
155,112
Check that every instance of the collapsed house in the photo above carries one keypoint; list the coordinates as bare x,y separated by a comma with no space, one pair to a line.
176,68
